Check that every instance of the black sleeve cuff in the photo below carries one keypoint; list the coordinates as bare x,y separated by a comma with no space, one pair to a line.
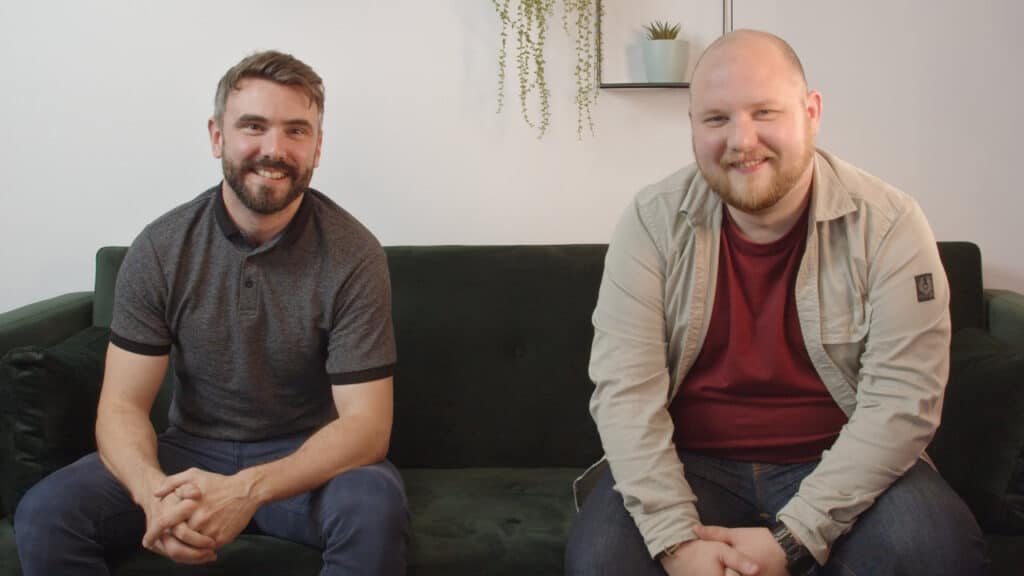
362,375
138,348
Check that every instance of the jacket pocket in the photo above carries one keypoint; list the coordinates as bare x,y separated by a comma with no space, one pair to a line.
844,337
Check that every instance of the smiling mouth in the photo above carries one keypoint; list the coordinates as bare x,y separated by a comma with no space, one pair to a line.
270,174
748,165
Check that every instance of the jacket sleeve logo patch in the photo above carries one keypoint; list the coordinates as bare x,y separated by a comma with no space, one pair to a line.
925,287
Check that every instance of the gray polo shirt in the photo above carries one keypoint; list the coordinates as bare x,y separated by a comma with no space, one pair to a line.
257,335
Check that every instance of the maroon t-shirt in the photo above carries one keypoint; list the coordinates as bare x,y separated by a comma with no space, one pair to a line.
753,394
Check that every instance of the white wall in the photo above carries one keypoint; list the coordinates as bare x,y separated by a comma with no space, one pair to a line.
104,107
105,104
925,94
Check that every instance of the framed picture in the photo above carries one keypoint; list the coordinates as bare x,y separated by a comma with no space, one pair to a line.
627,53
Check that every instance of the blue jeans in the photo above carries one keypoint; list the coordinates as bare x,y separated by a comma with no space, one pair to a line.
917,526
72,519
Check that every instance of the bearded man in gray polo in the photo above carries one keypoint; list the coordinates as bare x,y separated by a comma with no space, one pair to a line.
272,306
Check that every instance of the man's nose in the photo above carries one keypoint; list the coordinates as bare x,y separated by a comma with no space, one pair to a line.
274,144
742,134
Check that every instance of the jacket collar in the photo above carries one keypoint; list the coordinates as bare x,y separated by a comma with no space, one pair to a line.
830,198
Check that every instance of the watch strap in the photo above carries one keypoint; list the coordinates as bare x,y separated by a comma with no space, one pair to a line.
799,561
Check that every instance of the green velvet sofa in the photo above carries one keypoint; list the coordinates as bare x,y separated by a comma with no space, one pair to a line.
492,420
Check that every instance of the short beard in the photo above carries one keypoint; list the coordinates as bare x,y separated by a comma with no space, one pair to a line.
261,200
752,203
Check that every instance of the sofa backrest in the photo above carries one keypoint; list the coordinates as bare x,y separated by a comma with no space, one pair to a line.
108,262
493,347
494,343
962,261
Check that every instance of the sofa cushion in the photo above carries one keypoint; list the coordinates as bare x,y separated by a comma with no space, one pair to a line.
48,402
979,448
493,521
9,565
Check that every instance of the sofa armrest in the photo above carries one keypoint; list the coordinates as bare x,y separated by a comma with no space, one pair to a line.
979,447
46,322
48,397
1005,310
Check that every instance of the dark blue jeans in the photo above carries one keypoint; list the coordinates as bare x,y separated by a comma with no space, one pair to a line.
917,526
72,519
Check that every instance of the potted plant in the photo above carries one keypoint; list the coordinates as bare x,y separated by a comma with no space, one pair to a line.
665,56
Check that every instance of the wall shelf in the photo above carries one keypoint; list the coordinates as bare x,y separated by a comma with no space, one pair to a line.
632,82
645,85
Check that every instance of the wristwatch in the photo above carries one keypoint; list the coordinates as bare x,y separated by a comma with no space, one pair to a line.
668,551
799,561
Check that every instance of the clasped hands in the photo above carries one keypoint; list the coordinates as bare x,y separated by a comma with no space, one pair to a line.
746,551
193,513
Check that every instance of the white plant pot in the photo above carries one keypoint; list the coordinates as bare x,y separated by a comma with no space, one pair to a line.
666,60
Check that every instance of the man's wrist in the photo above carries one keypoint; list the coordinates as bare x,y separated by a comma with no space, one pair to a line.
251,483
142,489
670,550
799,560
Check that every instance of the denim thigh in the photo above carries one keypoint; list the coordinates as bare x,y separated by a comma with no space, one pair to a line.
70,521
604,538
359,518
917,526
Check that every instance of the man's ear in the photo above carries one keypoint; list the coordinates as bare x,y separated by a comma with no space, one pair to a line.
216,138
814,110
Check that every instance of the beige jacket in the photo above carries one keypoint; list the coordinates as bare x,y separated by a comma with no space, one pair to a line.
875,324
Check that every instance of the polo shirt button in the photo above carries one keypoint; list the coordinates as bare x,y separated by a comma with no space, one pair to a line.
248,283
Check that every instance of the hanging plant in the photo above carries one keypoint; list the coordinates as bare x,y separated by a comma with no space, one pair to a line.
527,24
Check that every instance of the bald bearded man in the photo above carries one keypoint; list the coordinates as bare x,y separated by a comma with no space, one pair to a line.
770,354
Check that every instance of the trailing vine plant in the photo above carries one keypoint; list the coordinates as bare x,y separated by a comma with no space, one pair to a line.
527,24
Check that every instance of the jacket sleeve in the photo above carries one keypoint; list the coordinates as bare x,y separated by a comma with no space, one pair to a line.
628,365
900,387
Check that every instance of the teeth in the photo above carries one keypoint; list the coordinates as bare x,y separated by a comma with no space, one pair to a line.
270,174
749,163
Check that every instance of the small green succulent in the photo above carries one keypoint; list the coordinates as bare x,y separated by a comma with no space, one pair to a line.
659,30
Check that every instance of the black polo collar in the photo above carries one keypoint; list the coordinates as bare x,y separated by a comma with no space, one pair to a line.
288,236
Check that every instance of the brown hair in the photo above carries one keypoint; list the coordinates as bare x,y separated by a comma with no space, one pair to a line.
274,66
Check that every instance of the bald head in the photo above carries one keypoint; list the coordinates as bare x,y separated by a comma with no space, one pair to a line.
747,44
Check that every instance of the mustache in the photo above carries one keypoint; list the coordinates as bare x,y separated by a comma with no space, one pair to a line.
740,157
276,165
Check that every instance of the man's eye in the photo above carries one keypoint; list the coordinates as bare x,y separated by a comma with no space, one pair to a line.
298,131
252,127
765,113
715,120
